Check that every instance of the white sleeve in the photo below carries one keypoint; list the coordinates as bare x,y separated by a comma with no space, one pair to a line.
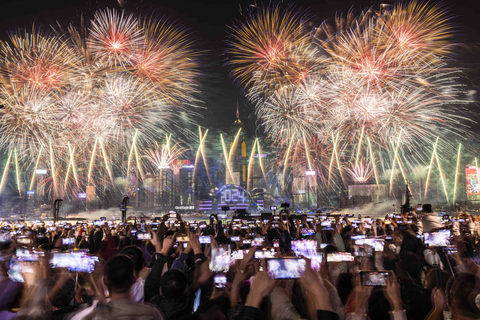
398,315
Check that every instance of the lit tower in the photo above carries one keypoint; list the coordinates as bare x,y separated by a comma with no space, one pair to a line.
238,153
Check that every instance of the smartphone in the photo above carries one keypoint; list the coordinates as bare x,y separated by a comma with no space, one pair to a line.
258,241
265,253
451,249
373,278
238,254
358,237
173,215
220,281
204,239
308,249
24,254
285,268
144,236
247,241
340,257
362,250
68,241
389,239
182,238
376,243
16,268
24,240
276,243
235,238
73,261
220,259
390,215
437,239
307,232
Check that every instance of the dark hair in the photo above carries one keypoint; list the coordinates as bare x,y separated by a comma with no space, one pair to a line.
411,244
437,278
427,208
137,256
65,295
463,294
117,240
120,273
173,284
411,263
344,286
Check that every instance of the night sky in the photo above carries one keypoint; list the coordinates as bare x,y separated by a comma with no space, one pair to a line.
207,21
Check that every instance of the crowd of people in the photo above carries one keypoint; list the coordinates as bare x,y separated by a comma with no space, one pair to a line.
417,265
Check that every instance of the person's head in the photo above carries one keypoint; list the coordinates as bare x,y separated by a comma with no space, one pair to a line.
409,267
411,244
436,277
137,256
272,233
463,294
173,284
427,208
347,231
120,274
66,294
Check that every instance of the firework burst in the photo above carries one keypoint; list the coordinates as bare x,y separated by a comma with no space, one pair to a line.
381,77
76,100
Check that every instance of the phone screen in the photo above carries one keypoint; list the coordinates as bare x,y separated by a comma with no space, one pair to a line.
265,253
307,232
182,238
74,261
437,239
144,236
340,257
238,254
23,254
308,249
362,250
235,238
220,261
258,241
374,278
220,281
204,239
285,268
68,241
